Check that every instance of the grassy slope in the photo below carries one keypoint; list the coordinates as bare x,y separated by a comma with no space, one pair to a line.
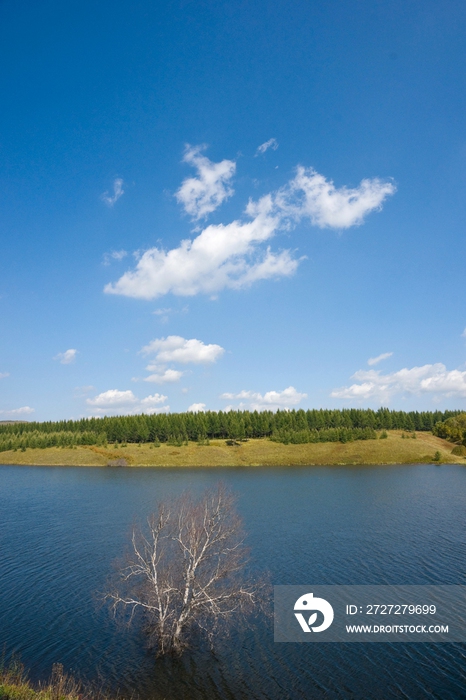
14,685
393,450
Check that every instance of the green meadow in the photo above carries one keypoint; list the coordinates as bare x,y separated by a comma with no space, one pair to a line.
394,449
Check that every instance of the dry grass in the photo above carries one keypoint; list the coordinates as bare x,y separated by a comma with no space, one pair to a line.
14,685
54,456
392,450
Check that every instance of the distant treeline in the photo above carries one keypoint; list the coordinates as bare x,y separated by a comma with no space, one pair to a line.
283,426
38,439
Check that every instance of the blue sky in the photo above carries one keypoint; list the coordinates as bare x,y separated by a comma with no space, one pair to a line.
214,204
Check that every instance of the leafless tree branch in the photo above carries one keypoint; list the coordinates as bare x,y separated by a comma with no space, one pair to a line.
187,571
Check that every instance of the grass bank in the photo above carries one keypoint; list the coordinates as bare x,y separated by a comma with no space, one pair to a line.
14,685
392,450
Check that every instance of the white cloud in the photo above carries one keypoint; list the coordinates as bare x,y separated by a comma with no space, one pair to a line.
167,376
311,195
154,367
150,402
203,194
271,143
113,398
375,360
174,348
115,401
233,256
196,408
429,379
114,255
23,411
221,256
118,191
4,374
67,357
463,334
271,400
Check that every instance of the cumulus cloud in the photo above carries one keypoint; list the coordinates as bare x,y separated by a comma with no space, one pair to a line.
23,411
115,401
149,402
235,255
167,376
118,191
114,255
429,379
271,143
67,357
221,256
311,195
4,374
271,400
201,195
113,398
197,408
375,360
174,348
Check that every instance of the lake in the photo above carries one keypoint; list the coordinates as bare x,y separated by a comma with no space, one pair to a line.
61,529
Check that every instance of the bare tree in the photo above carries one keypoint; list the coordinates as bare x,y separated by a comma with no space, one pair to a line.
188,571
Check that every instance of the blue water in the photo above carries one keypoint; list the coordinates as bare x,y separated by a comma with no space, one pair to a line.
61,529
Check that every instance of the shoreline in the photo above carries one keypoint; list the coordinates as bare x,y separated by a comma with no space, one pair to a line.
253,453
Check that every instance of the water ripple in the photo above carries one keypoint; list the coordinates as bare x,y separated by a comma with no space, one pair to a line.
60,530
